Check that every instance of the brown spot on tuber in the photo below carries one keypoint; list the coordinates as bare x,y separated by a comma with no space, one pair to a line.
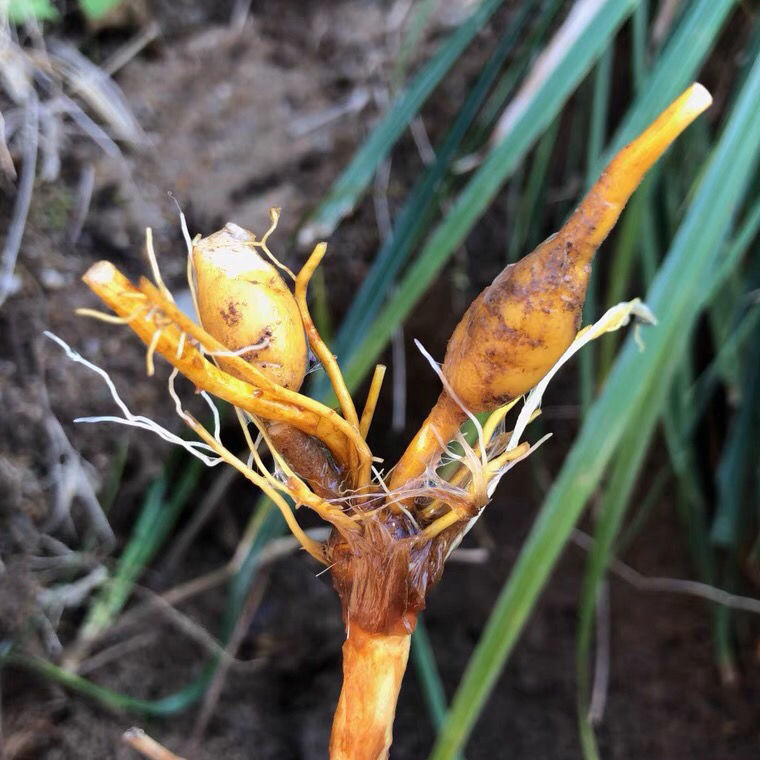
230,315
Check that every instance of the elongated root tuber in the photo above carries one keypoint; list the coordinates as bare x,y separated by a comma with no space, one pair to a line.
520,325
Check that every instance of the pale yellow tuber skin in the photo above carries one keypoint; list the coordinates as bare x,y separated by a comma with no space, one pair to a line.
243,301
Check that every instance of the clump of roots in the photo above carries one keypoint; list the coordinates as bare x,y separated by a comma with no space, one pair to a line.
390,535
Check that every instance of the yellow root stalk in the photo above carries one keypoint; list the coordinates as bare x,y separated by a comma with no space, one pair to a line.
373,668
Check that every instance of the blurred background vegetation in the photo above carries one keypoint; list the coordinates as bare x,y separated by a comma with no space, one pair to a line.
545,92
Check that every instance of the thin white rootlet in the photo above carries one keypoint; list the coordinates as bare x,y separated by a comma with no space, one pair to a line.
196,448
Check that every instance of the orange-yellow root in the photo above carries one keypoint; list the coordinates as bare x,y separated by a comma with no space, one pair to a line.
373,667
436,431
372,396
257,394
597,213
309,544
322,352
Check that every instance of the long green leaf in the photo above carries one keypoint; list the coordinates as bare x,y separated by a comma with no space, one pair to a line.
639,45
265,524
676,296
423,658
692,40
700,393
738,455
596,136
627,463
532,192
157,517
628,460
630,456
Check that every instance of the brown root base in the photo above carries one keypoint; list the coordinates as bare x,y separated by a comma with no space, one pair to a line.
383,573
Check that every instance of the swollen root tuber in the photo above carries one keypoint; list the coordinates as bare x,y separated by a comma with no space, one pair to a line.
520,325
243,302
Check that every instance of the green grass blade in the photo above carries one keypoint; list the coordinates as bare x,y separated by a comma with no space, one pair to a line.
599,109
20,11
114,475
739,453
494,106
157,517
639,44
530,200
615,501
597,135
352,183
423,658
646,507
113,700
540,107
266,524
734,478
725,292
411,36
684,53
427,671
613,506
96,9
636,379
703,388
627,244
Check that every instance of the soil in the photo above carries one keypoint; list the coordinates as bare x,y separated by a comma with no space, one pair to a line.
233,124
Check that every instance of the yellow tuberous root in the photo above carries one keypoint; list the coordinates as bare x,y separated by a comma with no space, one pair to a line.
256,394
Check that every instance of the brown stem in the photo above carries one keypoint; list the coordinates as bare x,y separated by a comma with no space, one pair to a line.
382,574
373,667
